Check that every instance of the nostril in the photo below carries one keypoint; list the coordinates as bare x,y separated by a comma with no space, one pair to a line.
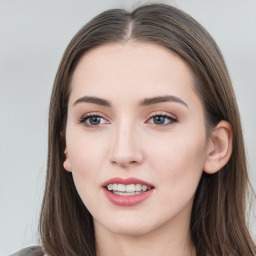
127,164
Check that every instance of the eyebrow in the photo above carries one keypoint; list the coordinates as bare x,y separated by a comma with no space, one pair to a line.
145,102
160,99
93,100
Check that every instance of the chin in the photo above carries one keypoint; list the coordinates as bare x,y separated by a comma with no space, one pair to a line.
130,226
130,230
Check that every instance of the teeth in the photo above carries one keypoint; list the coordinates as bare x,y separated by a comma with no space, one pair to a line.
130,189
126,193
144,188
114,186
138,187
121,187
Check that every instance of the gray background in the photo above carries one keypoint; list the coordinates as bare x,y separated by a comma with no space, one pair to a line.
33,36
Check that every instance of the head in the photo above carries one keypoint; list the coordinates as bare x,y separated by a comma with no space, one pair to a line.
212,145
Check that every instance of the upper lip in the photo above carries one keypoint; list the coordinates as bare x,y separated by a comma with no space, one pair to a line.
127,181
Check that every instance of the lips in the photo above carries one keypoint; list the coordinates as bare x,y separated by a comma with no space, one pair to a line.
127,192
127,181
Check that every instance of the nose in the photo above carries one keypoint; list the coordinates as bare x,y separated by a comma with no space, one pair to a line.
126,148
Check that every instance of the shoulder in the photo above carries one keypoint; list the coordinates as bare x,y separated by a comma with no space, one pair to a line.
30,251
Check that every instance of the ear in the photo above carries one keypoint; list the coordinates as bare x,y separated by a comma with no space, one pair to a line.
67,164
219,148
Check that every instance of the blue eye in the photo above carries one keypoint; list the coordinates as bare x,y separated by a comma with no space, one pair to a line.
92,120
162,120
159,119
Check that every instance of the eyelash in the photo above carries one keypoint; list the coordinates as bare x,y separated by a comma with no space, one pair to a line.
166,116
87,117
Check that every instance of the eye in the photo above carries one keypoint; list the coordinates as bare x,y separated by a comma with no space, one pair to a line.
162,120
92,120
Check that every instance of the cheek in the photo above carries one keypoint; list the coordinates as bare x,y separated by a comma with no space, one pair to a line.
86,168
179,161
85,151
86,155
177,169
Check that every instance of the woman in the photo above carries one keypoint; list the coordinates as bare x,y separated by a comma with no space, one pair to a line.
146,153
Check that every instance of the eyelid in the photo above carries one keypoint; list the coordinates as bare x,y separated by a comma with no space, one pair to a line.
173,119
162,113
84,117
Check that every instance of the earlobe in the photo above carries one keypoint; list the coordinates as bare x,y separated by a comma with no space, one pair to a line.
67,164
219,148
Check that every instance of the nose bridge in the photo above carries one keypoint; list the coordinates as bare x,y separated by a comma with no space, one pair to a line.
126,150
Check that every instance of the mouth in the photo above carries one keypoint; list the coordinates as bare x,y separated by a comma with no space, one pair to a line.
127,192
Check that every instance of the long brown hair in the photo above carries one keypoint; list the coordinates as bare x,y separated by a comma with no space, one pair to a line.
218,221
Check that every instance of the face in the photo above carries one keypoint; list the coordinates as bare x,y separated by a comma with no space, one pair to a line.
134,120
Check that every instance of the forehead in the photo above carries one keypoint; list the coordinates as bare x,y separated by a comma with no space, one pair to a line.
131,69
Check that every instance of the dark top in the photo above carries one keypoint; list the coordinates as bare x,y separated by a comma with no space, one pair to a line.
36,251
30,251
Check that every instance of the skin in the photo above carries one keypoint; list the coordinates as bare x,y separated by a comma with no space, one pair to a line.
128,143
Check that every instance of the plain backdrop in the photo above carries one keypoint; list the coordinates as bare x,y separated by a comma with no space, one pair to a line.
33,36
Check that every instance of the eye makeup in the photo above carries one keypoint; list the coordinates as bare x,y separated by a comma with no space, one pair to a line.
161,119
93,120
158,119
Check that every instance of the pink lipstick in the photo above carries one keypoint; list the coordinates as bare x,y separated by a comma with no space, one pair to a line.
127,192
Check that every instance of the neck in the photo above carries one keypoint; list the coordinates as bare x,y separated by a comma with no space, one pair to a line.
165,241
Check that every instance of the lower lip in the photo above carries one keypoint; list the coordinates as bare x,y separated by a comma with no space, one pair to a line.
127,200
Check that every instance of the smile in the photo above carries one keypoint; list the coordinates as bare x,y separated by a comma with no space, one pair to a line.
127,192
